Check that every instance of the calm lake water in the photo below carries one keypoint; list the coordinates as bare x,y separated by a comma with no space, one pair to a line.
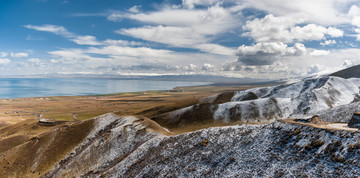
36,87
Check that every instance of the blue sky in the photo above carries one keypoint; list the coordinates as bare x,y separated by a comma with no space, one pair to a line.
239,38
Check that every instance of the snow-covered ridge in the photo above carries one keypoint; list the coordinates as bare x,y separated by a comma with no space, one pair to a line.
111,139
122,147
263,150
308,96
265,104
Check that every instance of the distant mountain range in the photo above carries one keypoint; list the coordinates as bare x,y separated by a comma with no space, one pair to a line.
218,80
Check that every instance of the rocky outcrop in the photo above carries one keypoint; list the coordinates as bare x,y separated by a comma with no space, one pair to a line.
317,120
355,121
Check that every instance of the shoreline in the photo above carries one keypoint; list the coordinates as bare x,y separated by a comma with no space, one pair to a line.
87,106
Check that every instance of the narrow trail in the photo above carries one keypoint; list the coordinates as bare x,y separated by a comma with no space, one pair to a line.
327,126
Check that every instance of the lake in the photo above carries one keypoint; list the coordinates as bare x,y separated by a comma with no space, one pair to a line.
38,87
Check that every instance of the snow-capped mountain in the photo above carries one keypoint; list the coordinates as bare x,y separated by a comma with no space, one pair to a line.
301,99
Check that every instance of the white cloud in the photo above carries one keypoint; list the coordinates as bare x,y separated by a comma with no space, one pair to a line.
315,68
207,67
19,55
86,40
191,67
176,36
116,17
3,54
285,29
298,49
70,54
347,63
111,42
320,53
267,53
34,60
129,51
59,30
278,39
192,3
215,49
328,42
54,61
194,28
135,9
4,61
323,12
354,13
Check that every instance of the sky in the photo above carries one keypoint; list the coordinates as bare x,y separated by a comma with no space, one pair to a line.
272,39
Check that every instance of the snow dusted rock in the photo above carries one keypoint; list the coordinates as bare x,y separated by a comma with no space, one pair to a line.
301,99
355,121
341,113
136,147
271,150
310,95
112,139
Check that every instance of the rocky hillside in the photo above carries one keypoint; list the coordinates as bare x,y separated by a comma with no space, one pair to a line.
130,147
134,146
351,72
263,105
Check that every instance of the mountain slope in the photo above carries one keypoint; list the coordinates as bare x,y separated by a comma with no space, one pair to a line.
134,146
266,104
351,72
268,150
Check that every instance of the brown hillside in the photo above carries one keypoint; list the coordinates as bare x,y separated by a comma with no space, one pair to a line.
23,156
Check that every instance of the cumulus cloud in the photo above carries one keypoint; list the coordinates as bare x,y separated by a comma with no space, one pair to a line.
319,53
315,68
354,14
191,67
192,3
286,29
267,53
271,35
323,12
328,42
207,67
4,61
